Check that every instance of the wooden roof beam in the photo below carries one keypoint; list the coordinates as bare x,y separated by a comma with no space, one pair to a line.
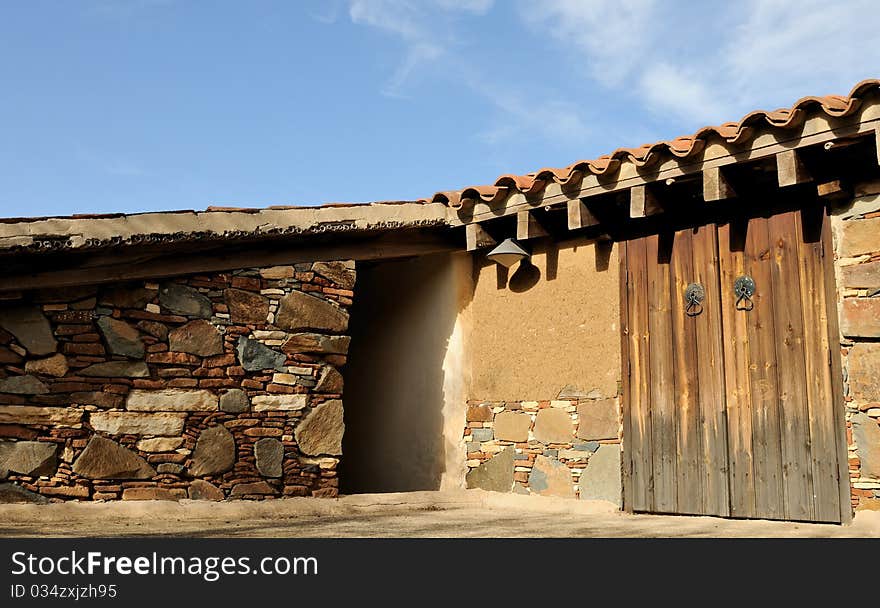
579,216
528,226
643,202
790,169
476,237
716,186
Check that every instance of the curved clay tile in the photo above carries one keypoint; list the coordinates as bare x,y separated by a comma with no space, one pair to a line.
732,132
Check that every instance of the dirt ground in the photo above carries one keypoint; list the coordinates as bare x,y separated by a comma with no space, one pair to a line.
473,513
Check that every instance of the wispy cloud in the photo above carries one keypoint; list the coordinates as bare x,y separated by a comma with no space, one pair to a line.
716,64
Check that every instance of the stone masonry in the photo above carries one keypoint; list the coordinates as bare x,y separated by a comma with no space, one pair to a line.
857,254
564,447
208,387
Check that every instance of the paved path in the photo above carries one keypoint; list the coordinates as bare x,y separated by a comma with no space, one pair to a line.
415,514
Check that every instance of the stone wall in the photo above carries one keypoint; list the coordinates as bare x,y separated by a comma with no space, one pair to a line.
857,254
565,447
218,386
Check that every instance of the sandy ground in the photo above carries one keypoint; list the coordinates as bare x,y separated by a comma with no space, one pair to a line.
417,514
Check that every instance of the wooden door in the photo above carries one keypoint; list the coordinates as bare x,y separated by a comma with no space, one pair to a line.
733,411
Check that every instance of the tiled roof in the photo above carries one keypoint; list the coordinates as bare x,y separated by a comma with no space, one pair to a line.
681,147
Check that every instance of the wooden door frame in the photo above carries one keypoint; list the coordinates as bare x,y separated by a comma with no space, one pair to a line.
832,328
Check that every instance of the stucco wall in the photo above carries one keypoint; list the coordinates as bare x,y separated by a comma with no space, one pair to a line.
547,326
406,375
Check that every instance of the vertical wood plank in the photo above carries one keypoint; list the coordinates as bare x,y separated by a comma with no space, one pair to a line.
737,393
797,466
689,490
817,369
766,446
662,386
640,378
836,370
626,384
710,364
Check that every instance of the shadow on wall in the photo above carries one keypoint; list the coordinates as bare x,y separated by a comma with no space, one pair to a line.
403,315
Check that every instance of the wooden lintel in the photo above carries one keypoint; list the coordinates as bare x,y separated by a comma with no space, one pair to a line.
125,267
579,216
528,226
643,202
715,185
477,237
790,169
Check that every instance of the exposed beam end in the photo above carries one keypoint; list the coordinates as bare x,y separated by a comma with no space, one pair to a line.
579,216
790,169
715,185
477,237
528,226
643,202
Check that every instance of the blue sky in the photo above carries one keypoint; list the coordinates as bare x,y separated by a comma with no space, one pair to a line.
137,105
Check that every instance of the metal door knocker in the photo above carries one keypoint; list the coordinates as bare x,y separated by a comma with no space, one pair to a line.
694,294
744,289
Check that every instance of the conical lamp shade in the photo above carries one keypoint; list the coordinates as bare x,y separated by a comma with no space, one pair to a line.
508,253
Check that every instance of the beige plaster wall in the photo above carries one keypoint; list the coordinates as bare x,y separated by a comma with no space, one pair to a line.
543,327
406,376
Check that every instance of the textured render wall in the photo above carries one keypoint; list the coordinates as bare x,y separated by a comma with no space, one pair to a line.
224,385
543,406
857,253
405,374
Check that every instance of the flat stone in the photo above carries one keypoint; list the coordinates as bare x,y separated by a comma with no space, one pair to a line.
200,489
479,413
277,272
246,307
519,488
153,493
117,369
269,454
172,400
320,432
570,391
105,459
481,435
864,371
862,203
553,425
170,468
159,444
255,356
299,311
17,431
589,446
861,276
512,426
33,458
11,493
126,296
860,236
121,338
184,300
137,423
30,327
154,328
234,401
330,381
494,475
7,355
198,337
601,479
860,317
214,452
866,434
551,478
28,414
56,366
316,343
256,487
23,385
269,403
598,419
337,272
285,379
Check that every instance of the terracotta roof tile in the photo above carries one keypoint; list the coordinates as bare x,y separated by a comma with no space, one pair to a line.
681,147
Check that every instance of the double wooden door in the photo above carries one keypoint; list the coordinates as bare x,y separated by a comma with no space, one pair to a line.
732,405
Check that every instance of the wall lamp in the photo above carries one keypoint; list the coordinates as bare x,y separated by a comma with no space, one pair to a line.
508,253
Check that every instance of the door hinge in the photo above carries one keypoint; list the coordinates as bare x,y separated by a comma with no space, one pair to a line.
829,357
